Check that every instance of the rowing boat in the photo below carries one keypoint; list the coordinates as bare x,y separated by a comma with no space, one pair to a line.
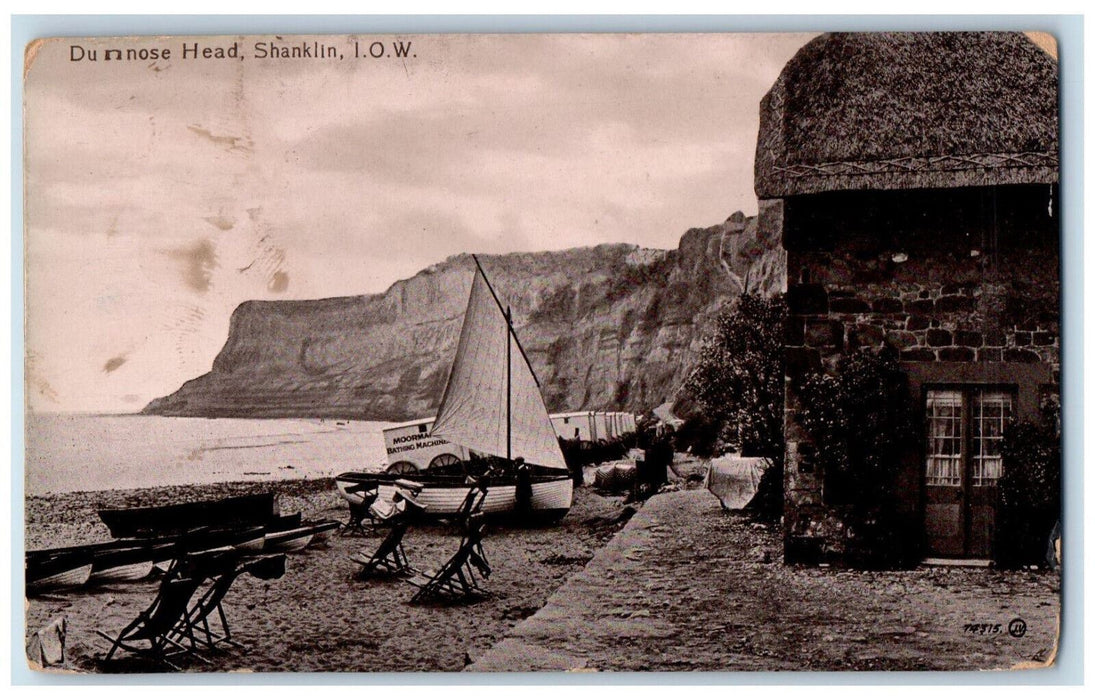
289,541
441,496
177,518
56,574
321,531
126,563
297,538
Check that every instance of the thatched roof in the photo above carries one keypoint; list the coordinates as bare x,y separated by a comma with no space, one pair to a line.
909,110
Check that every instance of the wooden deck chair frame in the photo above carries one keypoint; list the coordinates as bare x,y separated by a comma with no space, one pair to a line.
157,624
471,507
456,579
197,627
389,557
360,512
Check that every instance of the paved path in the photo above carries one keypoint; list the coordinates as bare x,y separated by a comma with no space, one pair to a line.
686,586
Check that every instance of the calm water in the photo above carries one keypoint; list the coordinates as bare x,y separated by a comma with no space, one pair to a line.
71,452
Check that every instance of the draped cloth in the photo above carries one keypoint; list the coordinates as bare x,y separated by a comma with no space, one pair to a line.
734,480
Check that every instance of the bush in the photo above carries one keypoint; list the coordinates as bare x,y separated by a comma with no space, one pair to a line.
738,380
738,385
859,421
1030,493
699,434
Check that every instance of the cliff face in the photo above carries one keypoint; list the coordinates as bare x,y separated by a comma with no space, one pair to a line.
614,326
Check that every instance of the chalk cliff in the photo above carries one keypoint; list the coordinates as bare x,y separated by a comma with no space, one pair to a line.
612,326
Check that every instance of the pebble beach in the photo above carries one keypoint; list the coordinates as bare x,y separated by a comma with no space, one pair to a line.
317,617
672,584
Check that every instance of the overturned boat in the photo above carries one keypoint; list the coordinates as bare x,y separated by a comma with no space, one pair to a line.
179,518
492,407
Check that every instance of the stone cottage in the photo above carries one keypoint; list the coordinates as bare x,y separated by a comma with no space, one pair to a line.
913,178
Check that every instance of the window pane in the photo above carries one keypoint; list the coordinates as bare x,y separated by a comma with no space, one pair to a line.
991,412
944,461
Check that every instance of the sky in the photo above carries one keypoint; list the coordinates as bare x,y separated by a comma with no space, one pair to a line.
160,194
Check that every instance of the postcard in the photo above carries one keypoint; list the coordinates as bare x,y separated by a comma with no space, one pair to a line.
542,352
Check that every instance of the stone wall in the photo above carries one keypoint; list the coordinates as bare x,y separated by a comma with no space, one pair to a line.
980,302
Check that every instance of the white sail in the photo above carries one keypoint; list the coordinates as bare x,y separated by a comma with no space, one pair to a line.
473,410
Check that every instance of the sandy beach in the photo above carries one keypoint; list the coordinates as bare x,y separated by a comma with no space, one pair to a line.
317,618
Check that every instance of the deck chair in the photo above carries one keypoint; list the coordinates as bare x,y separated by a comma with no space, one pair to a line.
456,579
360,512
205,623
470,510
390,558
152,633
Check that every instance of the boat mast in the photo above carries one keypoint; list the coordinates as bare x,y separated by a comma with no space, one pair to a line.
509,349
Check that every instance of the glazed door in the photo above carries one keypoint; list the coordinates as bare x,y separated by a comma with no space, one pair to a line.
963,464
989,412
944,493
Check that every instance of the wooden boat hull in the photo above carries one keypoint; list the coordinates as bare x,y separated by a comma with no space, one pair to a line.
348,482
126,563
122,573
69,577
247,541
549,497
322,530
254,544
236,511
129,560
289,541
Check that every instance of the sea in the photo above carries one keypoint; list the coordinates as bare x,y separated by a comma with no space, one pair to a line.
83,452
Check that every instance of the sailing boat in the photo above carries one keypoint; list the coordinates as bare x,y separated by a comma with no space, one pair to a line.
492,406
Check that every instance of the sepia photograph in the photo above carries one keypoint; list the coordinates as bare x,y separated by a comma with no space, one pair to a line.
660,352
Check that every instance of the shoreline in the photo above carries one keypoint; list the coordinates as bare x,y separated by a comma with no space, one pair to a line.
234,484
67,453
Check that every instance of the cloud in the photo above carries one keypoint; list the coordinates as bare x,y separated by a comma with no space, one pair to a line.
160,197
